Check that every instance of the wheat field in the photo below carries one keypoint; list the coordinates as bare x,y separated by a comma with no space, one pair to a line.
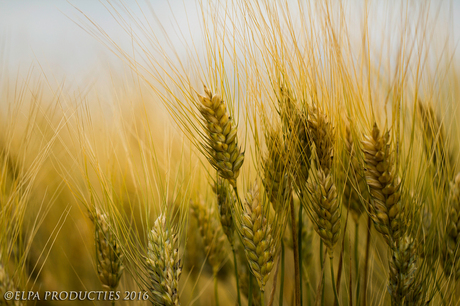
239,153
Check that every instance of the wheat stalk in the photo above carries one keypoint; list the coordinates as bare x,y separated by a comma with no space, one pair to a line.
163,263
222,142
385,207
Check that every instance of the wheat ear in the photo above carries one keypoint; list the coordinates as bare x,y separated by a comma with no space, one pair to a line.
211,234
109,259
385,207
295,133
404,287
324,207
275,169
221,142
451,250
355,192
257,236
163,263
321,133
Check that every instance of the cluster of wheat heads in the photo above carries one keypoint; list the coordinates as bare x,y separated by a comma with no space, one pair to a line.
321,152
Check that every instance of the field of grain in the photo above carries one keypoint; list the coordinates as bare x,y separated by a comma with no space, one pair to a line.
234,153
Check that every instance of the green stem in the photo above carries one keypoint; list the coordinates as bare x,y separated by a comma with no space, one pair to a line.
356,259
299,239
250,289
236,277
216,294
356,249
333,281
321,256
282,274
366,261
262,303
296,254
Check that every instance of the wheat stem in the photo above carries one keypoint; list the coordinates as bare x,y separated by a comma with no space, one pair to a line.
322,259
250,290
275,281
331,259
296,253
366,260
356,249
236,277
282,275
299,239
216,291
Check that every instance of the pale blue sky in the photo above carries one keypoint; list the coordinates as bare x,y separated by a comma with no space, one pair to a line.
44,30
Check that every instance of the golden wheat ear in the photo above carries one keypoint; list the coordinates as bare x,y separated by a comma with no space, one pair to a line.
323,206
276,171
385,207
355,192
109,259
221,145
163,263
257,236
